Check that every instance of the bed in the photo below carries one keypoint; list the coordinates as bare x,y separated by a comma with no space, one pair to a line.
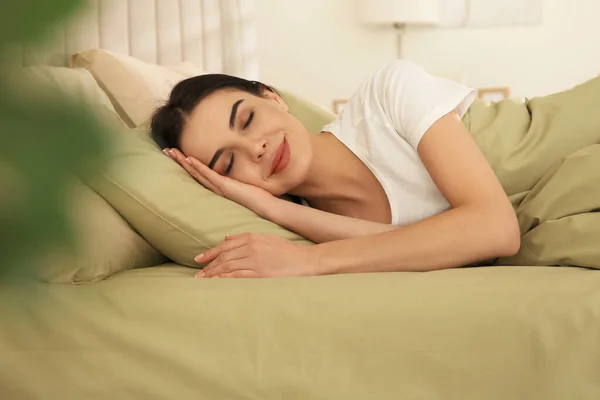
495,332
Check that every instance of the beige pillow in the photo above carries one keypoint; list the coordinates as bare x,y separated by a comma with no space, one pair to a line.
104,243
42,81
135,87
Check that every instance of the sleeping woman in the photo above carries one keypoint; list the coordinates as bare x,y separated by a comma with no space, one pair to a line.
395,183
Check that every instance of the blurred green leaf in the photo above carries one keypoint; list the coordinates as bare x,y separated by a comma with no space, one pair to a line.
28,20
43,143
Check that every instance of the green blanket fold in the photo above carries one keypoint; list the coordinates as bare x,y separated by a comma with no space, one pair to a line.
546,153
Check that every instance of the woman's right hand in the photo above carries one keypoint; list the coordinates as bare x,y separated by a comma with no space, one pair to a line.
252,197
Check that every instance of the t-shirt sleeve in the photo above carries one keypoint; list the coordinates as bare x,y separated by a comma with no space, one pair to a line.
414,100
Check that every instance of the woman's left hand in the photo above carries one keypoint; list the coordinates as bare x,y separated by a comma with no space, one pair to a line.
257,256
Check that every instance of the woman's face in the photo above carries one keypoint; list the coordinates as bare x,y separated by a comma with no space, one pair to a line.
250,139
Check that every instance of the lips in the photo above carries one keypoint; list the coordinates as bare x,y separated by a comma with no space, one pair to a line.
280,158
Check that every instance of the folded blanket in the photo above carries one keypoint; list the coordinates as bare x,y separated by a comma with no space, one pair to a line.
546,153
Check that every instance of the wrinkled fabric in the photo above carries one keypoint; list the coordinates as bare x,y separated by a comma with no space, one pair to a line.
491,333
546,153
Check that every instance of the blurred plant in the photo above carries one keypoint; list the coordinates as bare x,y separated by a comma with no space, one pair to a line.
41,143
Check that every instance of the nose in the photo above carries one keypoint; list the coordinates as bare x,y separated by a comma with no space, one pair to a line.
257,149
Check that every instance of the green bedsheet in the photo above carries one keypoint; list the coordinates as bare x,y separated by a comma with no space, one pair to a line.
157,333
546,153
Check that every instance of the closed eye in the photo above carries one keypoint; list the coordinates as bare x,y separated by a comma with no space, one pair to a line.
249,120
232,160
230,165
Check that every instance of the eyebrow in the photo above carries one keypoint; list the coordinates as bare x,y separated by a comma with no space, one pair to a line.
234,113
219,152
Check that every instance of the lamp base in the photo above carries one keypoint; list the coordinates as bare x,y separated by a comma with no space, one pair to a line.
400,30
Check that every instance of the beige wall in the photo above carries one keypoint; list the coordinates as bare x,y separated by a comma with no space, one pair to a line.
316,49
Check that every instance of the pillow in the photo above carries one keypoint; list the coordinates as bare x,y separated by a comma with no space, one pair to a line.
39,81
178,216
135,87
104,243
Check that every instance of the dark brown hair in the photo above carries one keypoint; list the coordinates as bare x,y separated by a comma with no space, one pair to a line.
168,120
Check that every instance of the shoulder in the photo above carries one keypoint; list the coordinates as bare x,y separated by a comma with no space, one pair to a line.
412,99
376,88
397,71
394,81
399,66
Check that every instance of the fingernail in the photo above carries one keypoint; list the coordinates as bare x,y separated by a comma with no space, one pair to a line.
200,274
199,257
216,276
165,152
187,160
171,153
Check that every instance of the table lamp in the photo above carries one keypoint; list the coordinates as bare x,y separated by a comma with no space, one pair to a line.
399,14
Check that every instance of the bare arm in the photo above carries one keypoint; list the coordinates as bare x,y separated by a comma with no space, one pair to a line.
321,226
480,225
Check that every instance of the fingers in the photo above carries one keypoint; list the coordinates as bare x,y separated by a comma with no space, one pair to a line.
228,245
214,178
222,268
224,262
179,157
242,273
227,268
192,167
207,172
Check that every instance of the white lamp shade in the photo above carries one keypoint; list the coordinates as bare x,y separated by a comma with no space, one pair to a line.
409,12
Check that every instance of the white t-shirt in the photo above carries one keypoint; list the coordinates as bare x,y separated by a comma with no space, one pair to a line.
382,124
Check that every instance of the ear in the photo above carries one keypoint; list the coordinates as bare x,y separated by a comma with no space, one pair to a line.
277,99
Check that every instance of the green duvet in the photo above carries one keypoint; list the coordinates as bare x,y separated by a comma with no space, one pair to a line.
546,153
495,333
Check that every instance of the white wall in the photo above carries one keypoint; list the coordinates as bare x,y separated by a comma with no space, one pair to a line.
316,49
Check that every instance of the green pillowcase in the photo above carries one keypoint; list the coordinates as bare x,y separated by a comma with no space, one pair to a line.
170,209
104,243
165,205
